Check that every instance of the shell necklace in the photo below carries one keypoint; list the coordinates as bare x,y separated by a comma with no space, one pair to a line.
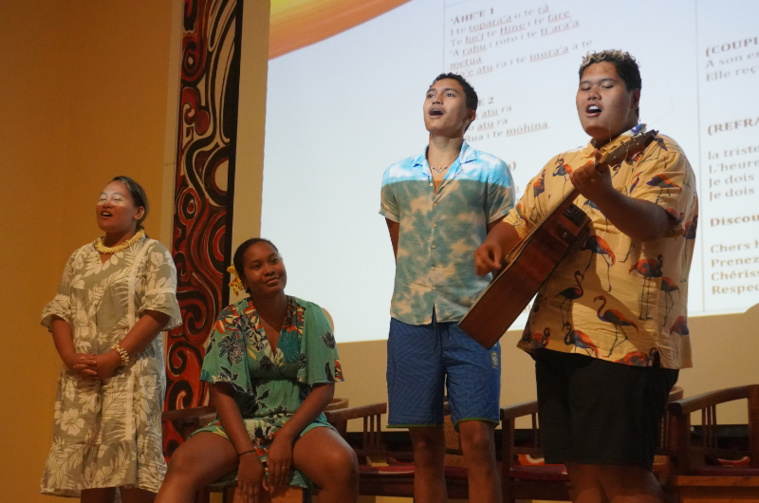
439,169
109,250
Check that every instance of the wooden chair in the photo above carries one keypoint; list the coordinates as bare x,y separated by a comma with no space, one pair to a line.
521,477
525,476
186,421
390,472
709,464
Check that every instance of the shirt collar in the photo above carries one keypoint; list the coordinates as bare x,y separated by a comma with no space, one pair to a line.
619,140
466,155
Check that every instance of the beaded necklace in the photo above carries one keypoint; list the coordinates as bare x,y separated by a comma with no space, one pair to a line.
109,250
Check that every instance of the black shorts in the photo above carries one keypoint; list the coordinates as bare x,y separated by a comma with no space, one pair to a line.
599,412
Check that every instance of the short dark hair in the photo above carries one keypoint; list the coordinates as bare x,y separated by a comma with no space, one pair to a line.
240,252
627,67
138,196
469,92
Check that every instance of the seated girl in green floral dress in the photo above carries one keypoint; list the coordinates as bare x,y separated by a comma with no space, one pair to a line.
272,364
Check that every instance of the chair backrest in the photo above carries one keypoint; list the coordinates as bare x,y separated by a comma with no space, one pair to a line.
371,443
664,431
692,450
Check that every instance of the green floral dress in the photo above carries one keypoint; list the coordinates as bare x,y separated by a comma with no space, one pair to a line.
108,434
271,386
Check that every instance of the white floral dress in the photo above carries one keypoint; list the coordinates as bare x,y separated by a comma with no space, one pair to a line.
108,434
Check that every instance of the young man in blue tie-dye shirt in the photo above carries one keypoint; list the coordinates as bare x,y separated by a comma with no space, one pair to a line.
439,207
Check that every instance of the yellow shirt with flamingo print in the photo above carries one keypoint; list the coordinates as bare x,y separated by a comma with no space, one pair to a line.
616,298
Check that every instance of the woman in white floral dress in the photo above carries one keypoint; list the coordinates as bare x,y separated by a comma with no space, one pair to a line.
115,297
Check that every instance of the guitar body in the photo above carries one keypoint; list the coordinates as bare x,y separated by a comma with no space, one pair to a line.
536,256
528,267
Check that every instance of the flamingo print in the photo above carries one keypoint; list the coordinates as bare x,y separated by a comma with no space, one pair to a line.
593,208
537,340
668,286
579,339
678,217
590,204
690,228
639,358
598,246
636,180
562,169
660,141
680,326
649,269
570,294
519,208
689,233
629,251
617,319
636,158
663,183
538,187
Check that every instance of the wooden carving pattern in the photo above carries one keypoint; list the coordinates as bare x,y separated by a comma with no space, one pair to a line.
206,140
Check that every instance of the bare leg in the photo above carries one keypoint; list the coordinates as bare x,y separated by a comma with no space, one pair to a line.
429,452
586,487
614,484
105,495
135,495
478,446
325,458
202,459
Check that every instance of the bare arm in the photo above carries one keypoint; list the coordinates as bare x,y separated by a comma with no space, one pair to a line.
230,417
393,228
501,238
138,338
641,220
83,365
250,472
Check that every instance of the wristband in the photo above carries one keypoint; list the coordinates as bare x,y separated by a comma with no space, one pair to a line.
245,452
122,354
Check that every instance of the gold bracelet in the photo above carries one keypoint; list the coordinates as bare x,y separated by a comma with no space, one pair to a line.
122,354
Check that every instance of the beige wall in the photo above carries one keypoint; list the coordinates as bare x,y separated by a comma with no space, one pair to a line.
88,91
84,92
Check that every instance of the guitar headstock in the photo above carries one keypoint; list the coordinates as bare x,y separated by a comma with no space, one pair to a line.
626,150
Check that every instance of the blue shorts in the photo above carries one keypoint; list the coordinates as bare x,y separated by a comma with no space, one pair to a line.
422,360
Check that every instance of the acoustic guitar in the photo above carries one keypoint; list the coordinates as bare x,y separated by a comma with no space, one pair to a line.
529,264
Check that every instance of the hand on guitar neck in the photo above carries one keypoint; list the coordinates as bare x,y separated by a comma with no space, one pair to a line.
593,179
560,231
641,220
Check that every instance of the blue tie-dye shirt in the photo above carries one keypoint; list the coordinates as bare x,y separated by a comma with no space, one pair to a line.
440,230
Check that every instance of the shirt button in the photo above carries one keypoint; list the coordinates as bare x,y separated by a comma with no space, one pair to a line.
434,246
434,225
